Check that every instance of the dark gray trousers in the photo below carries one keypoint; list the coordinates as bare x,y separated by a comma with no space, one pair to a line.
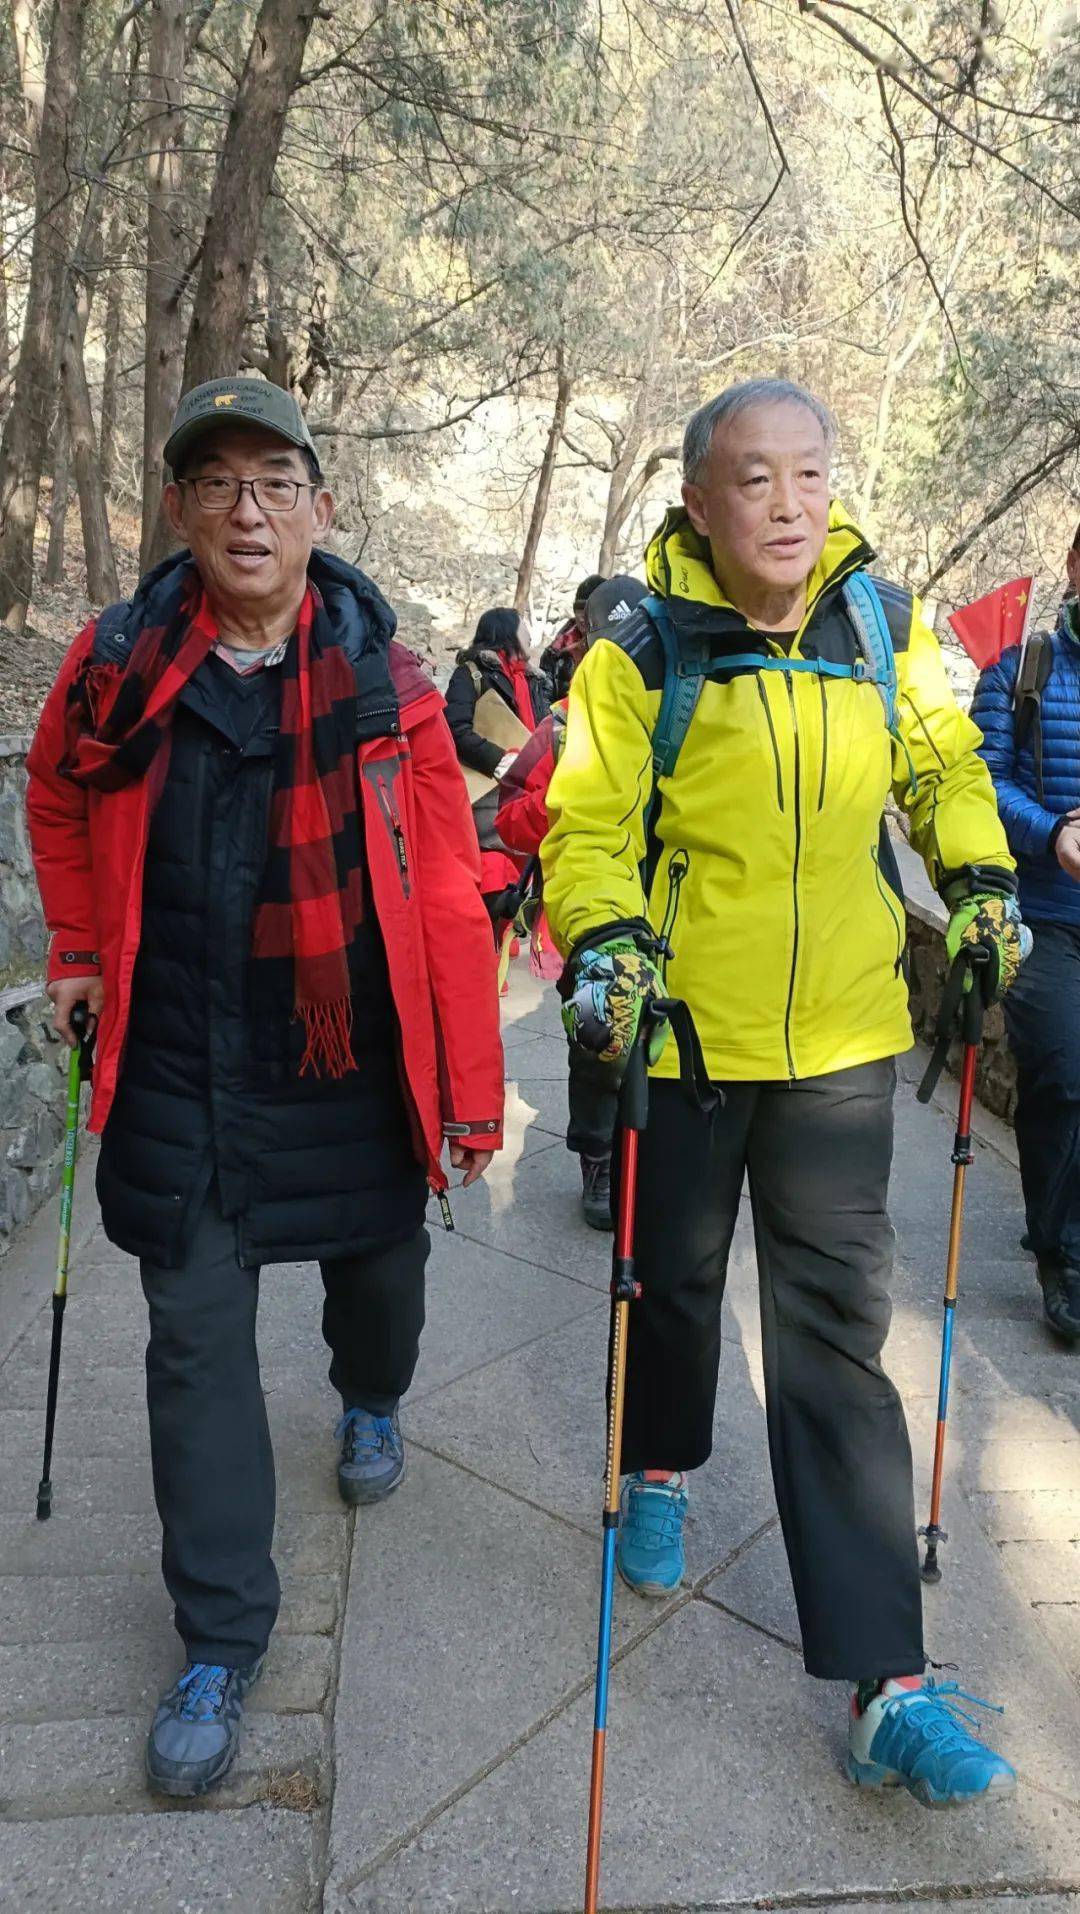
593,1099
817,1154
212,1459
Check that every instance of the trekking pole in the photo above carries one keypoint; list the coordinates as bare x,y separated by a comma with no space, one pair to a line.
633,1114
971,1004
79,1068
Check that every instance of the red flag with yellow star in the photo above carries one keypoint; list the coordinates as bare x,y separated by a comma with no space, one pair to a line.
992,624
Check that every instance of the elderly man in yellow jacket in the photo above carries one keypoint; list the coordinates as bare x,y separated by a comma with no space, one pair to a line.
727,848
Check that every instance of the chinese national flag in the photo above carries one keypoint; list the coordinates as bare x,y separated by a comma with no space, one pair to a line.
992,624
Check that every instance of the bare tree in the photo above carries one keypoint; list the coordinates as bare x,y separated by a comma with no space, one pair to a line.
242,184
61,465
165,261
111,339
538,514
26,428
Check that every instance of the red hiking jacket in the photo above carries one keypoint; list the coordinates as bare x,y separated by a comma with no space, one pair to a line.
522,819
89,848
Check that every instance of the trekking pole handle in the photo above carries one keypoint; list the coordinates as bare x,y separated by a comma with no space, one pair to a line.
974,1003
634,1090
80,1023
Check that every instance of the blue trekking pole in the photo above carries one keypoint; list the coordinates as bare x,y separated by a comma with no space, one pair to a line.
79,1070
633,1115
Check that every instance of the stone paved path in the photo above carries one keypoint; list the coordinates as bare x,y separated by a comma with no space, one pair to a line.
421,1738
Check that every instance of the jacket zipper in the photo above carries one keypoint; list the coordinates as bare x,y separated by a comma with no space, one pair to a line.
772,735
390,812
883,890
794,878
824,744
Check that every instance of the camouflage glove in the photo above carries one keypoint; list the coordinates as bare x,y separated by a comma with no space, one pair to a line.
611,986
994,921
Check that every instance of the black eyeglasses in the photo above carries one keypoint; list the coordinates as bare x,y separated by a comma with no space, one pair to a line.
270,494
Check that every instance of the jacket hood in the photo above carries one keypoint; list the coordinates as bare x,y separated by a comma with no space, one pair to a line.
678,564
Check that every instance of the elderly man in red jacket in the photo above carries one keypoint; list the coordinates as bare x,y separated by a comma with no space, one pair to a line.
259,871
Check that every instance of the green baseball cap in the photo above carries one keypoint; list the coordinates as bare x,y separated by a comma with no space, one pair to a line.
224,401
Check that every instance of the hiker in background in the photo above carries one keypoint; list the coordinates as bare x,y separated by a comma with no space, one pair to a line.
564,654
1031,743
724,846
494,701
522,823
257,865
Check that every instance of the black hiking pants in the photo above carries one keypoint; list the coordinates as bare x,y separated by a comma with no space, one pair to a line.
210,1447
1042,1016
817,1155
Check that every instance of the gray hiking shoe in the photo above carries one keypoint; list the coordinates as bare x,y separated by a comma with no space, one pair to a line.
196,1729
372,1460
596,1191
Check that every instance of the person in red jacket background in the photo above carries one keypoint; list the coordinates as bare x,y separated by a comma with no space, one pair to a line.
522,823
259,871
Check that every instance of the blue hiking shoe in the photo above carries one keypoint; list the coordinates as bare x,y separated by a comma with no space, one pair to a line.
372,1460
913,1738
649,1552
195,1732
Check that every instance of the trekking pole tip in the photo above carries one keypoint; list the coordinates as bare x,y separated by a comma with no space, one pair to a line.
44,1500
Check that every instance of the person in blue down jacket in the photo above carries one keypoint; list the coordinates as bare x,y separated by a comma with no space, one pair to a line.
1035,766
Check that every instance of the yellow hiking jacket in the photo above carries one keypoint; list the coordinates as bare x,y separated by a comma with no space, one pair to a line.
760,860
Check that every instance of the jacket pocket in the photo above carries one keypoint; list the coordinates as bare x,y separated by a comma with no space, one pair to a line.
773,740
891,903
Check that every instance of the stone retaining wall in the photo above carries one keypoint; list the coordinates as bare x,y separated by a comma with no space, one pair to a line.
33,1064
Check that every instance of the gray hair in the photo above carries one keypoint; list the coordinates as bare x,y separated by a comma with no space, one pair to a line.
698,436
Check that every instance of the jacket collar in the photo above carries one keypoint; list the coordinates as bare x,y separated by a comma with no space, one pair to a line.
678,566
361,620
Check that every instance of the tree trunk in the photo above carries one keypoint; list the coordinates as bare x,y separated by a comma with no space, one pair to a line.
242,184
164,264
54,558
26,428
102,584
113,317
623,494
523,588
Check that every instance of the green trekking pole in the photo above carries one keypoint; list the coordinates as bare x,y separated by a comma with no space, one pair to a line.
79,1067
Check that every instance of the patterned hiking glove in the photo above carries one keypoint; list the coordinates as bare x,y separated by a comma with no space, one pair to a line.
994,922
611,986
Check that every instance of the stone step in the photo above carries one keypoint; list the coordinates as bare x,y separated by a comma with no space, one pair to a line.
70,1544
1043,1571
79,1680
122,1485
161,1863
50,1770
1043,1515
40,1608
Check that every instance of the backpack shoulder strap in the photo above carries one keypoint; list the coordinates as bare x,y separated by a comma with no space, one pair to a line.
873,613
111,638
684,675
1032,677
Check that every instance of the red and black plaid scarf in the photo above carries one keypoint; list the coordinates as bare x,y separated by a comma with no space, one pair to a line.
311,896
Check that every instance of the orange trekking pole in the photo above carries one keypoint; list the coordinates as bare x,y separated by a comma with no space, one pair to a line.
964,992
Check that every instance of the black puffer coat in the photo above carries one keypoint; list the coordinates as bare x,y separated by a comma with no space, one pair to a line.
208,1084
463,695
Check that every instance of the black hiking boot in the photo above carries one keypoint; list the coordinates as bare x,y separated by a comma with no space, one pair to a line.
1061,1297
596,1191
